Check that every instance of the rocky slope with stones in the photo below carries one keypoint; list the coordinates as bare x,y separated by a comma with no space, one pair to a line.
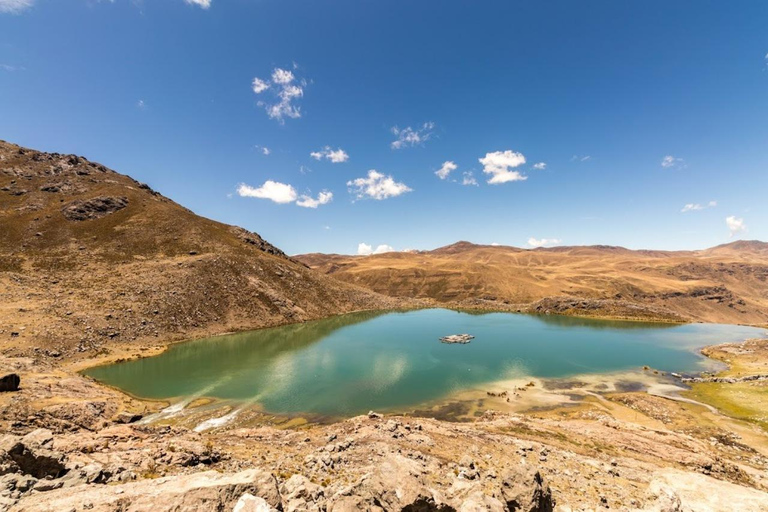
90,258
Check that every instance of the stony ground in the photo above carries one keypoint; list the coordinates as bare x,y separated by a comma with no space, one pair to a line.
71,444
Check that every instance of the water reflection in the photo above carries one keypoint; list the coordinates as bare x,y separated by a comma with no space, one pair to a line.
374,360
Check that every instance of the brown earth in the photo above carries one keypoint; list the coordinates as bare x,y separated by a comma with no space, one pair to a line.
726,284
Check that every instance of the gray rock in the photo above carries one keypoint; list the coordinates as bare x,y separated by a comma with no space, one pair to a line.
526,491
10,382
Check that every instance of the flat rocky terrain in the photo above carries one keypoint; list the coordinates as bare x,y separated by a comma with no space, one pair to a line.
95,267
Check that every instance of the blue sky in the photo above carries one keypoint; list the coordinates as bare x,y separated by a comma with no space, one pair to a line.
636,109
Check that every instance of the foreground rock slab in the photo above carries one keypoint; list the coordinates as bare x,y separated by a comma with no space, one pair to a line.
205,491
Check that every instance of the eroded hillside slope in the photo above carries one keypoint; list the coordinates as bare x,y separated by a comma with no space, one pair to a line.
88,255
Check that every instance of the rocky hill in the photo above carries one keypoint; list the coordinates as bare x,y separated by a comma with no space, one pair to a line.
728,283
88,255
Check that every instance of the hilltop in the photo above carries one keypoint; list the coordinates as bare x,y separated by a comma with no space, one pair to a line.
91,258
727,283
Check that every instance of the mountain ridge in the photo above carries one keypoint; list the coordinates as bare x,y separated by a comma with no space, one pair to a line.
727,283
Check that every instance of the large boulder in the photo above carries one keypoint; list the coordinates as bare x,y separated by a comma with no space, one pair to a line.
525,490
10,382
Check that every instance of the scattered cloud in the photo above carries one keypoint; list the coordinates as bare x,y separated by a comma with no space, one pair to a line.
671,162
281,193
141,105
735,225
540,166
376,186
336,156
692,207
15,6
324,197
500,165
469,179
285,90
410,137
580,158
8,67
446,169
205,4
264,150
364,249
542,242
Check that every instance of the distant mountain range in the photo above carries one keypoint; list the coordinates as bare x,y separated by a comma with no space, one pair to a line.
727,283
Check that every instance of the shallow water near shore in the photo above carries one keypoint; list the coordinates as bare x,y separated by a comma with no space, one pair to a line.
350,364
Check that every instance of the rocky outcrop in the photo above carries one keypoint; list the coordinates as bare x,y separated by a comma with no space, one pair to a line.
31,455
94,208
10,382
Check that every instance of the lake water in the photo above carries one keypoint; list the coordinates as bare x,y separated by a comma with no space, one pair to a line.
376,361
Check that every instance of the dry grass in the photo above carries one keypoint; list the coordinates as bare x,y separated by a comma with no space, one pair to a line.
726,284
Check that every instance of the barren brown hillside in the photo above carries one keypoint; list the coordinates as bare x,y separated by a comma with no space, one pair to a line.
88,255
728,283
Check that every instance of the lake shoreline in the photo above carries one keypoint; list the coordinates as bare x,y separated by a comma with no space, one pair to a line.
160,402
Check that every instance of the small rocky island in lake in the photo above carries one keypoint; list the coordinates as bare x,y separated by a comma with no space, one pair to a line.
457,338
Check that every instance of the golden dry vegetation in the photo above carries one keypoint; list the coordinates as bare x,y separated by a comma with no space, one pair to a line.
727,284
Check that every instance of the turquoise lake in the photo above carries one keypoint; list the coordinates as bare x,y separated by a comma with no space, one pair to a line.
377,361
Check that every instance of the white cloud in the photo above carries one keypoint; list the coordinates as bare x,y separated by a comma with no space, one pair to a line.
259,85
265,151
282,76
410,137
446,169
323,197
141,105
336,156
540,166
533,242
285,89
376,186
580,158
495,244
735,225
205,4
469,179
364,249
281,193
692,207
499,165
15,6
671,162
